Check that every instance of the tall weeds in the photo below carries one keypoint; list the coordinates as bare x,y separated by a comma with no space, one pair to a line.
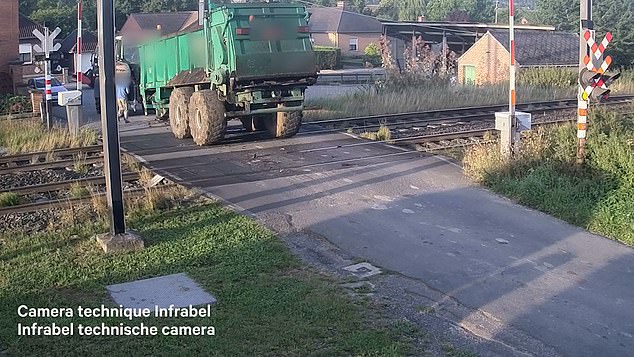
598,195
21,136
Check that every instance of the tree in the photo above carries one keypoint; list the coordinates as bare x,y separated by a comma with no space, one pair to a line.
615,16
357,5
57,16
387,10
477,10
563,14
409,10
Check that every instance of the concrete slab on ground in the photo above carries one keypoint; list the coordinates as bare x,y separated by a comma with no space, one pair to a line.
178,290
527,281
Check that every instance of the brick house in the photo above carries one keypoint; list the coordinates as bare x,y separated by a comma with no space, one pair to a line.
486,62
8,44
347,30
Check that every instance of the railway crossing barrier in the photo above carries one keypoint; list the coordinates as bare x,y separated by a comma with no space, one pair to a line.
47,46
594,78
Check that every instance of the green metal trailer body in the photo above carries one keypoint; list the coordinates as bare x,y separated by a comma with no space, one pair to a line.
257,58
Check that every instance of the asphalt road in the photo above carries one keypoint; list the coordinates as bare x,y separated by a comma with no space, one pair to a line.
529,282
525,282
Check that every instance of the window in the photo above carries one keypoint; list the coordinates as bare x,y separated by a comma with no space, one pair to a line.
354,44
26,53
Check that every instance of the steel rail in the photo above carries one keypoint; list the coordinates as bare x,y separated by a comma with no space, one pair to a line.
68,202
49,165
63,185
43,154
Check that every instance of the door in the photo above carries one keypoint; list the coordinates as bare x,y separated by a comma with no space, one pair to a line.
469,75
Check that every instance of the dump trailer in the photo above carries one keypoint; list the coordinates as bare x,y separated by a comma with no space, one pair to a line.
248,61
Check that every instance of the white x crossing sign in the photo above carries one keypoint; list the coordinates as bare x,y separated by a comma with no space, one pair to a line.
47,40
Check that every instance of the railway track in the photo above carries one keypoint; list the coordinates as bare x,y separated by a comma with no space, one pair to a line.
69,202
34,157
450,116
51,194
66,185
419,128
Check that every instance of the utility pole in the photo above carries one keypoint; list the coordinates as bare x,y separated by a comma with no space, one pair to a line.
110,130
497,7
585,23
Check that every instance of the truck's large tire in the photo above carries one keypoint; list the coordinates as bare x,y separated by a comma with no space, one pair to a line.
207,117
179,112
284,124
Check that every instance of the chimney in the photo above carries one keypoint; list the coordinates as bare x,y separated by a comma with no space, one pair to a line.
420,18
342,5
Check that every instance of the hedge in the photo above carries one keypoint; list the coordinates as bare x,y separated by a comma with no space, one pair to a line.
328,57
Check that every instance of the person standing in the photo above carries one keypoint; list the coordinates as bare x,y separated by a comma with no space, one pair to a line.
122,102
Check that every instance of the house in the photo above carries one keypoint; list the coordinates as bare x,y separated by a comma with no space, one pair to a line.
487,61
27,39
88,48
8,44
141,27
347,30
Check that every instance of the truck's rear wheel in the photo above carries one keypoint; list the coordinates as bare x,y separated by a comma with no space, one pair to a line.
284,124
206,117
179,112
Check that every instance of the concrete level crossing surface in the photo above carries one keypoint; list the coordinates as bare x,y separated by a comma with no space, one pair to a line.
543,287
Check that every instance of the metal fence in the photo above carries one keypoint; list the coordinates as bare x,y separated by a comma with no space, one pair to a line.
350,78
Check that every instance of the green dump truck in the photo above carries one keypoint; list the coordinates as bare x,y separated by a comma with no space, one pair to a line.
249,61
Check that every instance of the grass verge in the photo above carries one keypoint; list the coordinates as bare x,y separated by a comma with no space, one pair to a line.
21,136
401,95
598,195
267,303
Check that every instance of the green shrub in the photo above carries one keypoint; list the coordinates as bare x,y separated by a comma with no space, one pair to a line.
328,57
373,54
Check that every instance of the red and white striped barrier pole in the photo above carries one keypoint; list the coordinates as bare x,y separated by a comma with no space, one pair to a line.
78,51
47,82
512,95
